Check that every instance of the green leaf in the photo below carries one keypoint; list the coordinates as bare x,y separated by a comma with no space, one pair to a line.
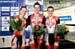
16,25
60,29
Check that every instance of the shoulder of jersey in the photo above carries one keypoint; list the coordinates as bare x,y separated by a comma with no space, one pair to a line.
55,17
47,17
39,14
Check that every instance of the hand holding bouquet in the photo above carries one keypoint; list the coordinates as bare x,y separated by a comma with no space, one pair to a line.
38,30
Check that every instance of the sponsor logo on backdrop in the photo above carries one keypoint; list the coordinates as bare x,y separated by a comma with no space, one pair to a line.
14,13
15,9
5,28
8,1
5,13
5,25
5,8
5,19
65,18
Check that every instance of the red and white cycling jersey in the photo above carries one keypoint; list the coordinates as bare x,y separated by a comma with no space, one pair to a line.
36,20
51,23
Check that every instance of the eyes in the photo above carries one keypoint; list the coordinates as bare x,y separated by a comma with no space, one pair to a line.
24,10
50,10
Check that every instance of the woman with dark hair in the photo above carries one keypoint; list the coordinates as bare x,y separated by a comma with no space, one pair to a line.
35,19
51,22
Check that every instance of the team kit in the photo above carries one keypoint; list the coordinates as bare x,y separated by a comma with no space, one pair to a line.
42,29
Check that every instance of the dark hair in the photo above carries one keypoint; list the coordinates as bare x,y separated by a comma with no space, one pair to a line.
50,7
36,4
22,7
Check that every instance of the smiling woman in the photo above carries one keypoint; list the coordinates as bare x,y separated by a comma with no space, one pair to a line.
18,25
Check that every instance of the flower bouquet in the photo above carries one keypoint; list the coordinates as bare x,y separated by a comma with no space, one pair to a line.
61,30
38,30
15,24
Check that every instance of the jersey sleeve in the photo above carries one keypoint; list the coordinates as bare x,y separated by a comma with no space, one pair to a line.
58,21
28,20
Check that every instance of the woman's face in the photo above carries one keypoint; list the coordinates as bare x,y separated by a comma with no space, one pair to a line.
50,11
36,8
23,11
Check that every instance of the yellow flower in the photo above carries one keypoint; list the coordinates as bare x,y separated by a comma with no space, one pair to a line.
16,19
